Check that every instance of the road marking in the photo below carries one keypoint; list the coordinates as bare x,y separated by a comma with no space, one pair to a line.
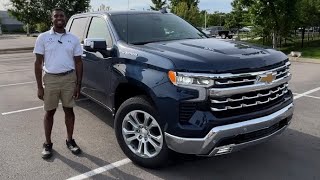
16,84
101,169
22,110
22,70
307,93
307,96
34,108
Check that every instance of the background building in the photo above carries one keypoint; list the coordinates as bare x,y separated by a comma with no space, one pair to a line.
9,23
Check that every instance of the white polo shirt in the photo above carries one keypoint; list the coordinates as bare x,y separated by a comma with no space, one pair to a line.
59,51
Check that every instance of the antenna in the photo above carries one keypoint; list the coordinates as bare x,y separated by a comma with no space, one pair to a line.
128,4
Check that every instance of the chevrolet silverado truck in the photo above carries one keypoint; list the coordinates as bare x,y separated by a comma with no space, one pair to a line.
170,88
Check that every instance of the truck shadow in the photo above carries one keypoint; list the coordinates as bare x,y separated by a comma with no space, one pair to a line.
292,155
100,112
114,173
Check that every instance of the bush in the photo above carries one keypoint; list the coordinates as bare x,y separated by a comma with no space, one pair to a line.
32,28
41,27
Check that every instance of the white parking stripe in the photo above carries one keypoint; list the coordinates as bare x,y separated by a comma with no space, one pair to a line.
22,110
16,84
21,70
34,108
307,93
307,96
313,97
101,169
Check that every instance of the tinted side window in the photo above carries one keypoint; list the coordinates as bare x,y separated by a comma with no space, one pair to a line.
78,27
99,29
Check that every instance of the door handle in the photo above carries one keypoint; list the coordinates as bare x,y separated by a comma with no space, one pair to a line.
84,55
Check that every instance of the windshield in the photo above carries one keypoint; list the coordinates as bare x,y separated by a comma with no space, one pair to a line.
146,28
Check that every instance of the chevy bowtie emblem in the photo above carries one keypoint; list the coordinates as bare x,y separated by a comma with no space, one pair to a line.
266,78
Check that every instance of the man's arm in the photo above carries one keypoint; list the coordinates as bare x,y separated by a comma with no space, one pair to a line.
79,72
38,73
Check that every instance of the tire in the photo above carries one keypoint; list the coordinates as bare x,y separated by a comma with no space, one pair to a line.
136,109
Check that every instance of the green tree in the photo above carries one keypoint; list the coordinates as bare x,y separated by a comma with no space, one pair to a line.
272,17
217,19
158,4
192,14
189,3
309,13
39,11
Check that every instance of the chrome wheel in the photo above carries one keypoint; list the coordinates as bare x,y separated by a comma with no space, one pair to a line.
142,134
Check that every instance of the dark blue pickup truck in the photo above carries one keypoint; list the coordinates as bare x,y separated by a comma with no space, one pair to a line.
171,88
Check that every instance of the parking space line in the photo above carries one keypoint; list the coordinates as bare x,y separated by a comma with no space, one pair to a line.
307,93
16,84
22,110
21,70
314,97
101,169
34,108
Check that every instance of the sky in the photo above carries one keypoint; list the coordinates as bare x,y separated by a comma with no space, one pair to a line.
209,5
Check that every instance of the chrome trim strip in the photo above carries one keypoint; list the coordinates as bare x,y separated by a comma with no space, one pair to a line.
234,82
237,147
230,75
203,146
220,92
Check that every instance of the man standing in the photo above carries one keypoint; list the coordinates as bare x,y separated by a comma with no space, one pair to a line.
58,54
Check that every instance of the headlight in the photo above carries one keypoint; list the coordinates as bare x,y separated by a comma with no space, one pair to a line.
181,79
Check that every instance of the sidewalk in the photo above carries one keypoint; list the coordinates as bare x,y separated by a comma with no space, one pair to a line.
304,60
16,44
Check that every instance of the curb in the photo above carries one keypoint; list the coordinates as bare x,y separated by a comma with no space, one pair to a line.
16,50
305,60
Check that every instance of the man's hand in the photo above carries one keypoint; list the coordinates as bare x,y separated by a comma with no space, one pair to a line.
40,93
76,93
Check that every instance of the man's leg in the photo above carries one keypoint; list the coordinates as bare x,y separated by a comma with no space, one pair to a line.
68,103
51,101
69,120
48,123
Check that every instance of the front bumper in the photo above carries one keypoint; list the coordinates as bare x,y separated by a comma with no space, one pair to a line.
214,143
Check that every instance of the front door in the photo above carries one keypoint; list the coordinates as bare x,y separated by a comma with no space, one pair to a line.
97,65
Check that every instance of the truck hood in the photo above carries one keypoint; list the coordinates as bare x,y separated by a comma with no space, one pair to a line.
215,55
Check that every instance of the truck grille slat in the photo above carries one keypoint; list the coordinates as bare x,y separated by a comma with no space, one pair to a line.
250,99
236,80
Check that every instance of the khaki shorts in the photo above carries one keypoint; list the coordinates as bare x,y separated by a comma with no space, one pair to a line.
59,88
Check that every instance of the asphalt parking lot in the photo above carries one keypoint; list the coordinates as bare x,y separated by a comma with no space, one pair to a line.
293,155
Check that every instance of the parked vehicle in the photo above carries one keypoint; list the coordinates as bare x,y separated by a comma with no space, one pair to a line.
206,31
170,88
220,31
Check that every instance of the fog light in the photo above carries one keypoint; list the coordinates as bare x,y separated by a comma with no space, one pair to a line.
224,150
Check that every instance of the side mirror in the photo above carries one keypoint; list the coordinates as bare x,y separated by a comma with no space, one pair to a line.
94,44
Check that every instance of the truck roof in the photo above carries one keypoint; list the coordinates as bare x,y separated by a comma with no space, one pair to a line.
128,12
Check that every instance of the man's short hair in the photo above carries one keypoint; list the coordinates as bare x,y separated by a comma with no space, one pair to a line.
57,9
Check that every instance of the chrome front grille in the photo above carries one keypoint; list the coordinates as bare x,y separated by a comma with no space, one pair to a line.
248,99
236,80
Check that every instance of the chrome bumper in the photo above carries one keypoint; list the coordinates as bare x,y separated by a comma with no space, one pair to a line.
207,146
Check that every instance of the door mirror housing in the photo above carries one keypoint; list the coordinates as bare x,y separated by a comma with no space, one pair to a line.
95,44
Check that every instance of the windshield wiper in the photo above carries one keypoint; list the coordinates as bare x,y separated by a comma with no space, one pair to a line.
143,43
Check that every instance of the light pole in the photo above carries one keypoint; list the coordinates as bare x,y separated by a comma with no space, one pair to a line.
205,18
28,17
